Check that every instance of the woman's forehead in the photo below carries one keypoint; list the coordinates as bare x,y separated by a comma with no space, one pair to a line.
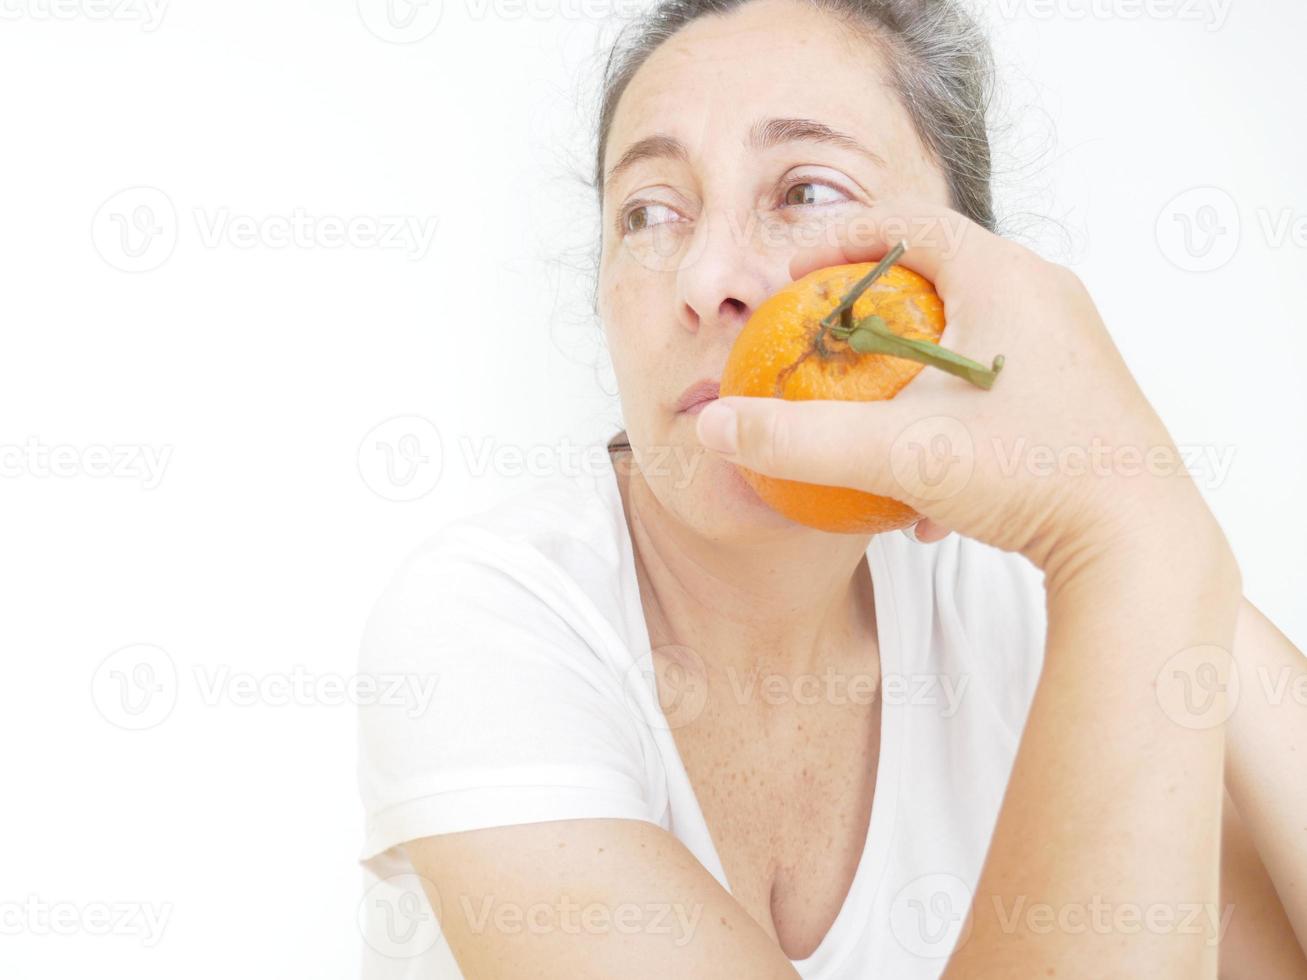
712,84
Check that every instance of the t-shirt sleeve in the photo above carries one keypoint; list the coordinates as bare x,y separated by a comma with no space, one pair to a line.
501,712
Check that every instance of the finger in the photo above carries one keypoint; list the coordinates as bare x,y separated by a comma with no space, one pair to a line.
928,531
894,448
935,237
824,256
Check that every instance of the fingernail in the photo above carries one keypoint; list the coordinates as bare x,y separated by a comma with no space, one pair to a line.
718,428
911,531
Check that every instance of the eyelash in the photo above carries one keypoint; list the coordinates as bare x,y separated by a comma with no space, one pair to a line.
635,205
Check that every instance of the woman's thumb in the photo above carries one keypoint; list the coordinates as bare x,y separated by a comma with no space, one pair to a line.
880,447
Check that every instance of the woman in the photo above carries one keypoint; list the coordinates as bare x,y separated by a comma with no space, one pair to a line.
676,734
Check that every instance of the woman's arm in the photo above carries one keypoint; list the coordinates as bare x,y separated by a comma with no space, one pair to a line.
1112,816
1266,761
1258,941
1104,859
588,898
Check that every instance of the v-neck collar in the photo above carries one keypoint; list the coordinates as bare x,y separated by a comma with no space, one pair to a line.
854,913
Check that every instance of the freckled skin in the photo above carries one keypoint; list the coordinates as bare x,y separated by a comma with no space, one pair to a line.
786,789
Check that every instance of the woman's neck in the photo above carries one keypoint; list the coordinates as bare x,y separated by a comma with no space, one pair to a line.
792,603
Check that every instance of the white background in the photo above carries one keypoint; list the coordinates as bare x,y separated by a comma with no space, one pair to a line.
257,373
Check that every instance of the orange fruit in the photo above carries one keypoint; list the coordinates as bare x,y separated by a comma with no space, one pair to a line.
784,352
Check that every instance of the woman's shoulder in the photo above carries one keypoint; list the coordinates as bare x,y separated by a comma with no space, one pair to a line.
527,715
552,551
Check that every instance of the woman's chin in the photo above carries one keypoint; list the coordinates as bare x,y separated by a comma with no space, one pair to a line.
724,491
709,491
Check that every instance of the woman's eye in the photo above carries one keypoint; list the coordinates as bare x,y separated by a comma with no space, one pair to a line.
807,192
641,216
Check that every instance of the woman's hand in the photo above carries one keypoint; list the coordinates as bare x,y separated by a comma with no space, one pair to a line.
1063,454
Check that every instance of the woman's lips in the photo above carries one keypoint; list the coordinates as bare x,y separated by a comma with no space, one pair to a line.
697,407
699,394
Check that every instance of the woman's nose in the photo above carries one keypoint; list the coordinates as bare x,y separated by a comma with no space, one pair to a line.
724,277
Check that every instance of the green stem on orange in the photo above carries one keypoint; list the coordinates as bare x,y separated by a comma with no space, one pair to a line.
873,336
844,311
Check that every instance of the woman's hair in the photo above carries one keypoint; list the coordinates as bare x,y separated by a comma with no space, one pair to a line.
939,62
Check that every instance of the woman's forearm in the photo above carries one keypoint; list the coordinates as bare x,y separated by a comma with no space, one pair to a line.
1266,763
1105,856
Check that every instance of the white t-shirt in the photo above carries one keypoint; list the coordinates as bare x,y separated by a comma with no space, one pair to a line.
523,626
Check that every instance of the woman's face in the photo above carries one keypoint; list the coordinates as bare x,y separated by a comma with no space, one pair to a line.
755,134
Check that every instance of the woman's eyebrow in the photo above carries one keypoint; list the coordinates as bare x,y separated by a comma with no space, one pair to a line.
660,145
763,135
767,133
